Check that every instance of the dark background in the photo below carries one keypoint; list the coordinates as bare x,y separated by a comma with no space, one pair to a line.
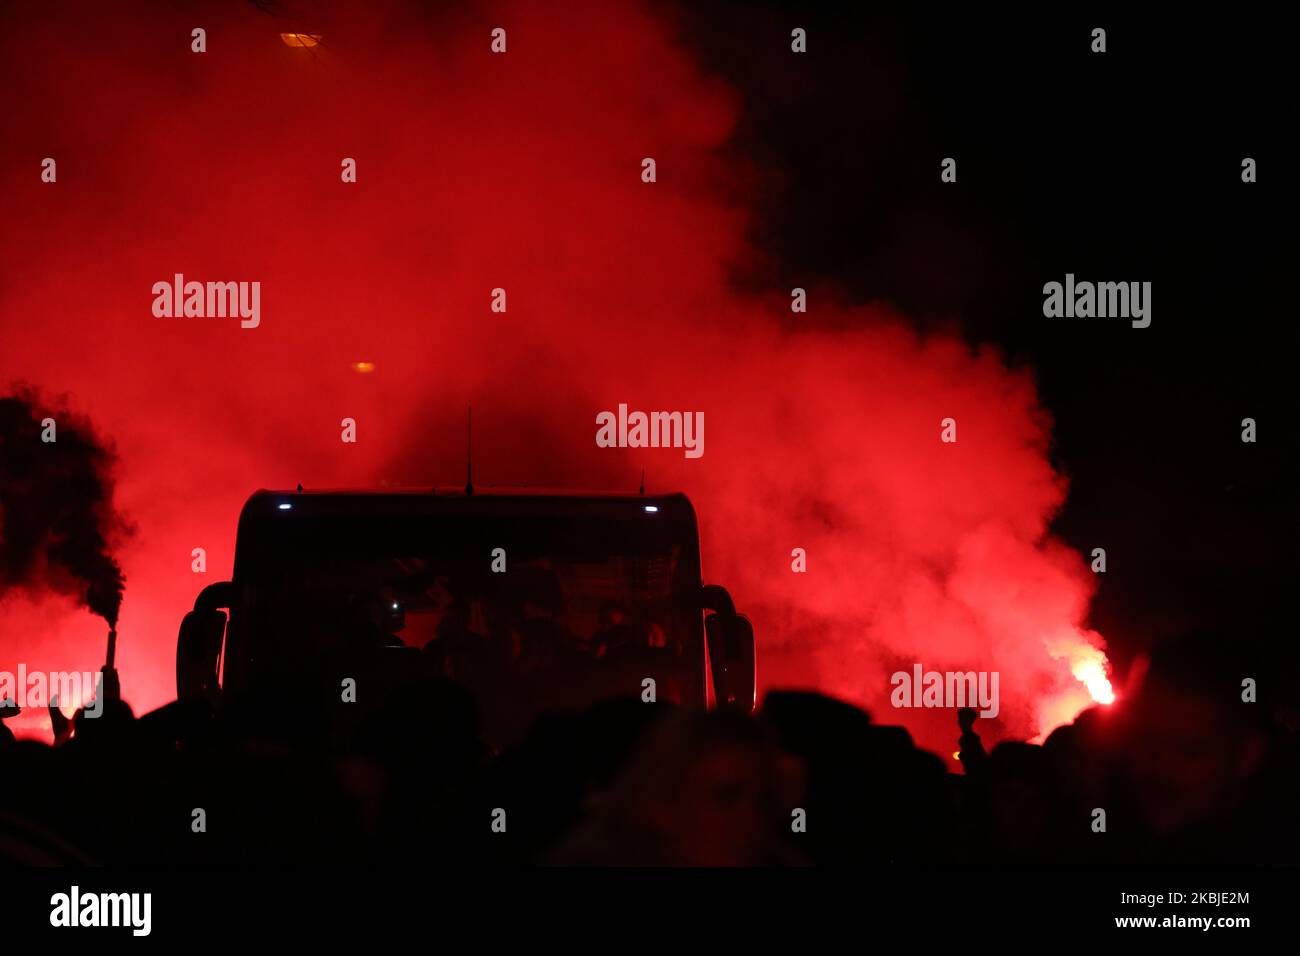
1120,166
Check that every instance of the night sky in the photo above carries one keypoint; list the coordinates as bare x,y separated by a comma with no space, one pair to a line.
1125,164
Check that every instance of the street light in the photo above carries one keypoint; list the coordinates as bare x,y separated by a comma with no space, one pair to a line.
300,39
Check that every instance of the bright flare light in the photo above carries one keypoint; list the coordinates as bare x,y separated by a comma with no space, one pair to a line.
1092,674
1088,666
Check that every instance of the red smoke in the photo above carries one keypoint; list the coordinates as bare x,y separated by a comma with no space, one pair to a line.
519,171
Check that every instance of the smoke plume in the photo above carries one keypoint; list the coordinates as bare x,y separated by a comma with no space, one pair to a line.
56,511
520,171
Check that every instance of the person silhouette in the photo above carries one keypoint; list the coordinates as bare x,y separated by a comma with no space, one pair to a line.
8,709
971,753
60,726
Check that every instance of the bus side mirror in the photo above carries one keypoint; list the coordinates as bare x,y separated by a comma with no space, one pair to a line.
731,652
198,649
730,638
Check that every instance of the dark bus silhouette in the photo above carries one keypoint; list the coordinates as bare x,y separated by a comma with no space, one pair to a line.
533,601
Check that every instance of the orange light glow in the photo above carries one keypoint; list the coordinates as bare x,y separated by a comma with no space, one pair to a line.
300,39
365,368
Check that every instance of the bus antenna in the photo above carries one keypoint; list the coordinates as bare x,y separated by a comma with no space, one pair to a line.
469,450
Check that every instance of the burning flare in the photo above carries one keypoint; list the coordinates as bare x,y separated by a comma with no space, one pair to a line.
1091,672
1089,666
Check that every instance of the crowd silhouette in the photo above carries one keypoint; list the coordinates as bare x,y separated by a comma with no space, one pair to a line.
1182,771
